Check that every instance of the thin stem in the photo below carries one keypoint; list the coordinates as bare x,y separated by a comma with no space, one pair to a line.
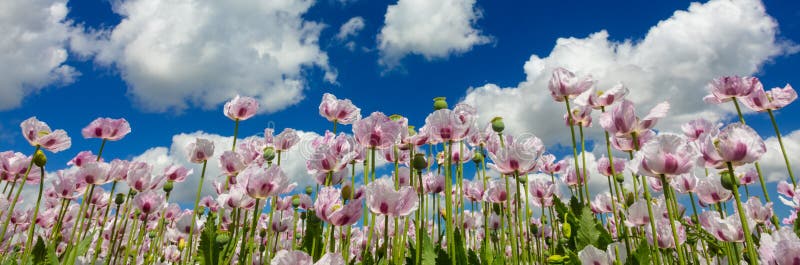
16,197
783,150
671,213
574,147
32,226
194,210
751,252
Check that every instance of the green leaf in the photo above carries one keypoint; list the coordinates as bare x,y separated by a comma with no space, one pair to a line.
458,244
442,258
312,240
486,253
39,252
428,252
641,256
472,258
52,257
586,232
208,249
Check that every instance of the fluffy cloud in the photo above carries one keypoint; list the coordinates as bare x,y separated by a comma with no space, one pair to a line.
673,62
174,55
434,29
33,48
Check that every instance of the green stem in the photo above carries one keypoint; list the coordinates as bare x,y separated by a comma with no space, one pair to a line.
648,199
32,226
585,179
235,134
783,150
448,184
194,210
574,148
751,251
672,216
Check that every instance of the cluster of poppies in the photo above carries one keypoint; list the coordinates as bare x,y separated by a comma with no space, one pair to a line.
459,192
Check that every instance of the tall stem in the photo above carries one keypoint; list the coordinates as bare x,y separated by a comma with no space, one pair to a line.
585,178
574,147
751,251
448,198
671,212
647,197
783,150
16,197
32,226
194,210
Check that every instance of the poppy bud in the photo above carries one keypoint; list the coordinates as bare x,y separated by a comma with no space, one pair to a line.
347,192
523,179
151,235
728,180
497,124
396,117
477,158
168,186
223,238
411,131
439,103
619,178
419,162
295,201
309,190
269,153
39,159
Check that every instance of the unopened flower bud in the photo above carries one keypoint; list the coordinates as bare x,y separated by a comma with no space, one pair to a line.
396,117
39,159
262,233
411,131
269,153
151,235
619,177
347,192
419,162
629,199
168,186
223,238
439,103
295,201
309,190
497,124
523,179
477,158
728,180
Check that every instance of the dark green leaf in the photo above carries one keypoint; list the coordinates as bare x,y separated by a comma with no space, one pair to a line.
312,240
472,258
442,258
458,244
641,256
428,252
39,252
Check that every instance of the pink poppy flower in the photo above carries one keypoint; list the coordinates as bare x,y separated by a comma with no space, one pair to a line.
604,166
728,229
285,140
668,154
262,184
736,143
664,235
231,163
383,199
341,111
580,116
81,158
543,190
330,208
710,191
564,84
376,131
432,183
592,255
518,157
684,183
548,165
39,134
775,99
602,203
177,173
140,177
107,129
756,211
725,88
94,173
200,150
447,125
241,108
296,257
149,202
598,99
622,119
695,129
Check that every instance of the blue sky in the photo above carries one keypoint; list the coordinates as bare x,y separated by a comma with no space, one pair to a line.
707,44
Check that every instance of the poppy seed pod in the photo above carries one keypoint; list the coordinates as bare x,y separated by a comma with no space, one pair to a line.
262,233
309,190
347,192
439,103
223,238
39,159
523,179
419,162
151,235
396,117
119,199
295,201
497,124
619,178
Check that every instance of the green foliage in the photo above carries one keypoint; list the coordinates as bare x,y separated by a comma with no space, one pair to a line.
486,253
585,228
442,258
472,258
79,250
428,252
458,244
641,256
209,249
313,236
39,252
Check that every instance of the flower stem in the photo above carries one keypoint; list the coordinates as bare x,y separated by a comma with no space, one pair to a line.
671,212
783,150
194,210
574,149
751,251
32,226
16,197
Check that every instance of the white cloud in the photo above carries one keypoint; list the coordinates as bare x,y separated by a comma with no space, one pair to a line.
177,54
434,29
350,28
673,62
33,48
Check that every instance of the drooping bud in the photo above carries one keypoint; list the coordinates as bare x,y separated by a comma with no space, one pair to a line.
523,179
168,186
419,162
347,192
309,190
269,153
439,103
39,159
619,178
497,124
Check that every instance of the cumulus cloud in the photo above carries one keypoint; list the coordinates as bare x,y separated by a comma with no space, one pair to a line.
773,167
33,49
350,28
673,62
174,55
433,29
